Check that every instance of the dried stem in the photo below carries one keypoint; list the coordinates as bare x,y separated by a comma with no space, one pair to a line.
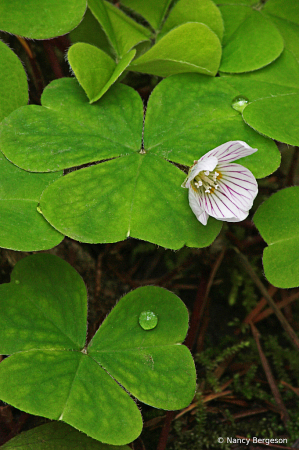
285,302
36,72
165,430
276,394
201,303
293,166
261,304
285,324
53,60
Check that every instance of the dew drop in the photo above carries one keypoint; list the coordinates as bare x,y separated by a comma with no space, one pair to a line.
148,320
239,103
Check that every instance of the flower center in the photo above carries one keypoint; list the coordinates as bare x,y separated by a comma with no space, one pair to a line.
207,181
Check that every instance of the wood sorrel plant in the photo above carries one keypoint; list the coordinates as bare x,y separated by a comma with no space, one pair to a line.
93,164
44,309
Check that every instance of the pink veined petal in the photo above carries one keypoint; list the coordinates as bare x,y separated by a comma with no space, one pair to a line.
238,184
195,202
198,167
230,151
240,199
222,207
238,179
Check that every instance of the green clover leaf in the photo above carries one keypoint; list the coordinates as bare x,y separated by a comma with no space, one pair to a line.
112,209
137,193
52,373
255,35
273,97
277,220
13,82
189,26
286,10
174,52
21,226
90,31
188,42
56,436
185,11
251,40
95,70
40,20
122,32
153,11
282,126
201,119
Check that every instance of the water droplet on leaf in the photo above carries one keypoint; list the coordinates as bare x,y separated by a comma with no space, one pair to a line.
148,320
239,103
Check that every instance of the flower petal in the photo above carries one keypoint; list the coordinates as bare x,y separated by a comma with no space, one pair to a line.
210,165
195,202
230,151
235,219
238,182
239,199
222,207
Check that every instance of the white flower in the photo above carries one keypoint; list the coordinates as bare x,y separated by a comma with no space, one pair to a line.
220,189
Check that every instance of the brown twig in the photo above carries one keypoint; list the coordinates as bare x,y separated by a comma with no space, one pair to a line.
292,388
201,303
274,389
292,170
165,430
62,43
36,72
207,398
154,422
285,324
202,330
287,309
250,412
138,444
286,301
53,60
186,287
164,280
98,277
255,311
235,401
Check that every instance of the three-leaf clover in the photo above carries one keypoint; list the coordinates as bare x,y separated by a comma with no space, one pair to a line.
189,40
53,373
137,191
256,34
